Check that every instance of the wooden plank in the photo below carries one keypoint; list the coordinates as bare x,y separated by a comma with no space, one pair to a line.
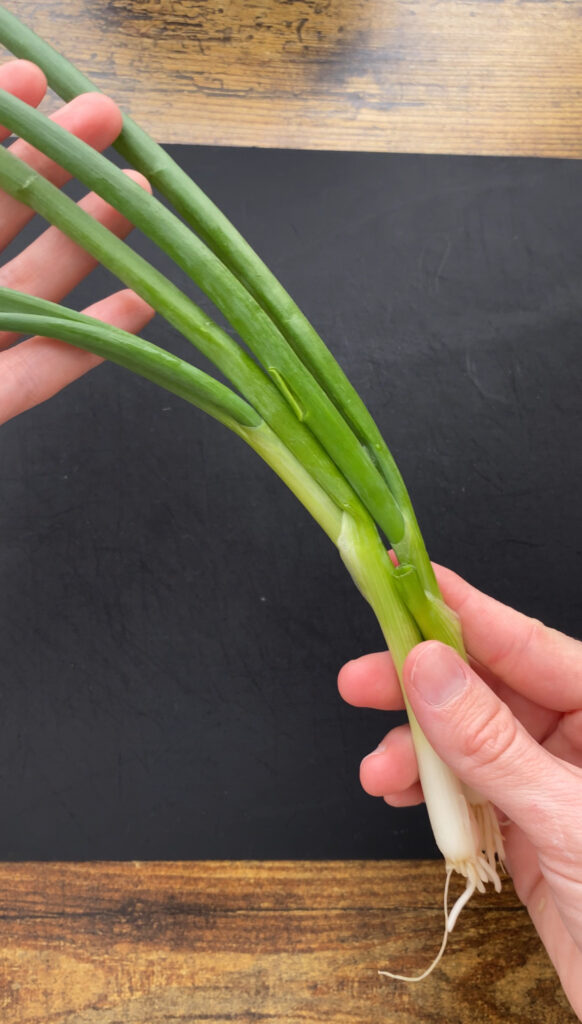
296,943
455,76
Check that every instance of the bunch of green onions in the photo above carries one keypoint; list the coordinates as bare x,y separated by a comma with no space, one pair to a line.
288,398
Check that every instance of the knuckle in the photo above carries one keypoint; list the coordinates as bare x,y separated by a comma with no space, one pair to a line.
490,738
525,640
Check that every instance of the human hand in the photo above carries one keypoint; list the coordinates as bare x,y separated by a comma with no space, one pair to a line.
52,265
510,726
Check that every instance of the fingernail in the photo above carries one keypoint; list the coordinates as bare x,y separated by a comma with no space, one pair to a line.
438,674
379,750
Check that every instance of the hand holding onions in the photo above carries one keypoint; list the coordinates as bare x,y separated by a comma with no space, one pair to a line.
509,725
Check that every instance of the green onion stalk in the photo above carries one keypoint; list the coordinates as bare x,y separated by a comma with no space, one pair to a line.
285,395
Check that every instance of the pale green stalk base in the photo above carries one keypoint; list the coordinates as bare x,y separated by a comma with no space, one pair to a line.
466,833
465,828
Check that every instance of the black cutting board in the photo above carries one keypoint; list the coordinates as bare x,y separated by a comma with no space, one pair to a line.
171,620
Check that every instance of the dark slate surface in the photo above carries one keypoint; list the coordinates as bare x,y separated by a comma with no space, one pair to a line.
171,621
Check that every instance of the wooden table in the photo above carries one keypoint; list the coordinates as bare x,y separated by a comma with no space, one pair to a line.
452,76
296,942
293,943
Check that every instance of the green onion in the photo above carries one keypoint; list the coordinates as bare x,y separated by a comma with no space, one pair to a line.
286,395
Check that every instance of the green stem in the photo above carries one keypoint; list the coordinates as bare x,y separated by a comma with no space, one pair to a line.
325,512
188,199
446,800
358,454
182,379
370,567
309,401
238,367
310,405
435,620
135,354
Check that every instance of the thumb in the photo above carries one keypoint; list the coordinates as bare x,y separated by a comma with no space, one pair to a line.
477,735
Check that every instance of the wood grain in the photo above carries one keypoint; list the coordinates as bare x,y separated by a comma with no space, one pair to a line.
455,76
295,943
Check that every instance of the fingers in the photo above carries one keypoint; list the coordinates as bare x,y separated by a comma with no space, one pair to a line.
23,79
405,797
390,771
52,265
476,734
92,117
371,682
535,660
38,368
565,740
392,767
541,666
